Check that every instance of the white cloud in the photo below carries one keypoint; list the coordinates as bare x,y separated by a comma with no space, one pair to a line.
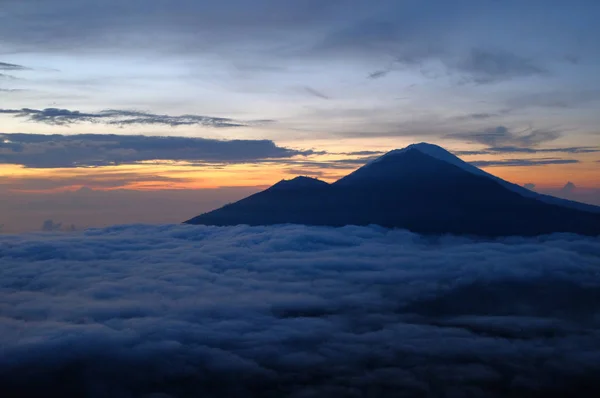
294,311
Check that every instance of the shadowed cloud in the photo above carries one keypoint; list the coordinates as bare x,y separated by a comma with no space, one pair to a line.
85,150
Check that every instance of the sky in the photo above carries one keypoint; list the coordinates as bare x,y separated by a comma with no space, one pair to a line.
296,311
156,110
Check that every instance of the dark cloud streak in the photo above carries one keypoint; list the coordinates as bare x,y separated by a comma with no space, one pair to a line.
522,162
502,136
11,67
65,117
89,150
477,116
378,74
501,140
513,149
316,93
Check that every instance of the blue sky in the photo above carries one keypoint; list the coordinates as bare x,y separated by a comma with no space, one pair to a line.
318,69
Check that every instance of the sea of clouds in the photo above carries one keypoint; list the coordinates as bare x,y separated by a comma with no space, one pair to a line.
295,311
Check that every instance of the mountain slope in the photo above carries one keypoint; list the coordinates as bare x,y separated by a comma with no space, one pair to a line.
441,154
421,188
288,201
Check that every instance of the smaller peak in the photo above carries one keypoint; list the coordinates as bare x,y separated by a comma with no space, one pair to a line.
303,178
299,182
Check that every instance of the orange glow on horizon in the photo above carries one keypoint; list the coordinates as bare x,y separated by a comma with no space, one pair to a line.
155,176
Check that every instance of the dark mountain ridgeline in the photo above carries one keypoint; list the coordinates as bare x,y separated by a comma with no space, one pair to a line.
422,188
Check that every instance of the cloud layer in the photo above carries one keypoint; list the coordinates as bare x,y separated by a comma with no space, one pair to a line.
296,311
85,150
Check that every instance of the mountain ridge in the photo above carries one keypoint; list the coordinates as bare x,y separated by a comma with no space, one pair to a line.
422,187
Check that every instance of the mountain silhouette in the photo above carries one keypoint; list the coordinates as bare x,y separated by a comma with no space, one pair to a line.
422,188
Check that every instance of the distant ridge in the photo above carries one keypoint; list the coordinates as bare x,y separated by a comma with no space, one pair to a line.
423,188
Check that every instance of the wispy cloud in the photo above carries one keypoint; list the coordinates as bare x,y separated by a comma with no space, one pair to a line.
362,153
65,117
502,136
523,162
489,66
316,93
555,99
98,179
513,149
502,141
378,74
307,172
480,116
478,65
